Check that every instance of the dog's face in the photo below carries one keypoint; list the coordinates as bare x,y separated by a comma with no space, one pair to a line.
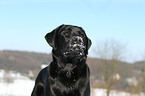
70,41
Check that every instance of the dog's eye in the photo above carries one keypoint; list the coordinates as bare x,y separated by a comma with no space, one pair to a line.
66,34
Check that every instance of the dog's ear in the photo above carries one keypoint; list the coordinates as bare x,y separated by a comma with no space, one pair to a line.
89,43
50,37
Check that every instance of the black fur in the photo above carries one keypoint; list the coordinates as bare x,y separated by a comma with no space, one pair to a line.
68,73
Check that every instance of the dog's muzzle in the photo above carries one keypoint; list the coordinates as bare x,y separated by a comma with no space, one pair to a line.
75,47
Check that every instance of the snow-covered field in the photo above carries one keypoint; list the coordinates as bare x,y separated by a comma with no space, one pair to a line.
18,88
22,86
102,92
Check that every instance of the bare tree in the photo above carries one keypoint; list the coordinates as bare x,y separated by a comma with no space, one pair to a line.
110,52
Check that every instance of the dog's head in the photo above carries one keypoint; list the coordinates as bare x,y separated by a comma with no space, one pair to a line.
69,41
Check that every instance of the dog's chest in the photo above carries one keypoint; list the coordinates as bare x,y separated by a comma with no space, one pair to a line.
66,81
66,78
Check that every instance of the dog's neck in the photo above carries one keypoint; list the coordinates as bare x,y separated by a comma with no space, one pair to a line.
59,66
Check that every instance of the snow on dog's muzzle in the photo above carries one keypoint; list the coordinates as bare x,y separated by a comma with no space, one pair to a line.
75,46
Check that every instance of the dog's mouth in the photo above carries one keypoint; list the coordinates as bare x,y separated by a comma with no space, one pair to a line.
72,54
75,51
75,47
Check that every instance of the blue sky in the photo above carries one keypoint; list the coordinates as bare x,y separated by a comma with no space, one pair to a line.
24,23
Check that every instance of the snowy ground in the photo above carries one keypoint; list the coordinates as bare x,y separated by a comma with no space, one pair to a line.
18,88
22,86
102,92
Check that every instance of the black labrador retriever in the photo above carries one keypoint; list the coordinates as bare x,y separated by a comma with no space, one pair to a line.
68,74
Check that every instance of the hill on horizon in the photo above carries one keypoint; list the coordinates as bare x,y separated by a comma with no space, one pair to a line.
22,61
